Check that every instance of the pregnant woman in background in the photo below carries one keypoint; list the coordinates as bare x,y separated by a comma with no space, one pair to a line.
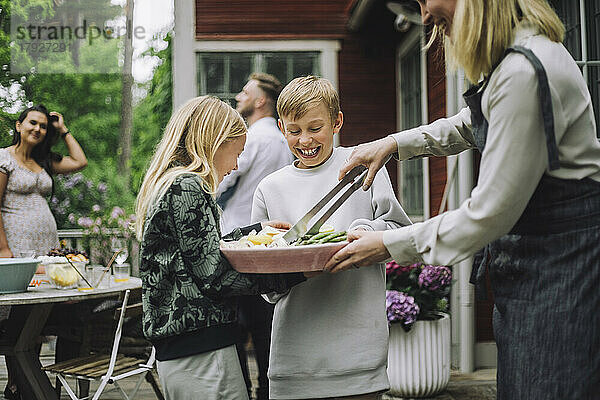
27,227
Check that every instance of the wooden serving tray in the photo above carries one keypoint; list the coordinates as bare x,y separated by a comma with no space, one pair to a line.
282,259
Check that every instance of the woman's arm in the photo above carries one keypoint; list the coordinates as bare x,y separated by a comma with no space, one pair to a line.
445,136
5,251
76,159
512,164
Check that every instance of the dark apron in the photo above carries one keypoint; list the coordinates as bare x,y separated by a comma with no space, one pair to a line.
545,276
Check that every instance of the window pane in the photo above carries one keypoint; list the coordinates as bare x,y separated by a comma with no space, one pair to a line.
568,11
412,170
305,66
240,69
215,68
276,65
592,12
412,186
225,74
594,85
287,66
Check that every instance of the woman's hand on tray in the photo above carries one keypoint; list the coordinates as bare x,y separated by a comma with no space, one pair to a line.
365,248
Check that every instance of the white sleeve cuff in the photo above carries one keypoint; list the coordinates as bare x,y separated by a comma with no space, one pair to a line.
411,143
401,245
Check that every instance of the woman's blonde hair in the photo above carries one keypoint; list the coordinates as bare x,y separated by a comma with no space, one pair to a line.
189,143
482,30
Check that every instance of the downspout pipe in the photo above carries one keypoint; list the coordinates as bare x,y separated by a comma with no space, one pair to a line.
462,306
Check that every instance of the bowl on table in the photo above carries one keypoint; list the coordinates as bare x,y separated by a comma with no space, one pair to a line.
16,273
281,259
60,272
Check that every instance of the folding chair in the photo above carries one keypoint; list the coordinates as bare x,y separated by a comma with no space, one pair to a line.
108,369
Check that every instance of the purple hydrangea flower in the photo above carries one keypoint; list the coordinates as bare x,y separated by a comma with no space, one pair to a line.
77,178
72,218
434,277
89,184
102,187
96,208
85,222
117,212
401,307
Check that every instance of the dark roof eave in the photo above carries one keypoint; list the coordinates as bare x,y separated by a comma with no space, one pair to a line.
359,13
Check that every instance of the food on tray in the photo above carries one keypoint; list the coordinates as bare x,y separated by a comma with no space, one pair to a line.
72,254
77,257
271,237
323,237
326,228
59,270
62,275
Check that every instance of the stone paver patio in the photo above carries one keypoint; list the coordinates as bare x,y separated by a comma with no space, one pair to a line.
480,385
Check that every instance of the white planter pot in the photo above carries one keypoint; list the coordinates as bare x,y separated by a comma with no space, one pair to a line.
419,360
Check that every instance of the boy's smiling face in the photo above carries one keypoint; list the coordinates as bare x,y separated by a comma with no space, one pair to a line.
310,138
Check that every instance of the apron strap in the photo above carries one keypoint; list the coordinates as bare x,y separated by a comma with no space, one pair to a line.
546,103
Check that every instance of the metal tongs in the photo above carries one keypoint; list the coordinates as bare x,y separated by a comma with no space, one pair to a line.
357,176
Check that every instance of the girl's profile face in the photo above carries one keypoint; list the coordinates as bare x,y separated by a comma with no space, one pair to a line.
438,12
227,155
33,129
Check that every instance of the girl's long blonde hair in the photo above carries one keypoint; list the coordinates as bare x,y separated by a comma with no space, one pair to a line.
482,30
189,143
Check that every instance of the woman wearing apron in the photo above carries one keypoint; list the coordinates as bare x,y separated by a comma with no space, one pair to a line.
536,207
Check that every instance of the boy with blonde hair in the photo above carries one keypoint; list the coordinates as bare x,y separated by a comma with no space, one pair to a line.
329,336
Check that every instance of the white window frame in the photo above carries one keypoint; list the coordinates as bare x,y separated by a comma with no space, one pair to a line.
414,36
585,63
257,61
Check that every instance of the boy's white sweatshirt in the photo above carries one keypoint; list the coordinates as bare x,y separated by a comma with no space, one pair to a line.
330,333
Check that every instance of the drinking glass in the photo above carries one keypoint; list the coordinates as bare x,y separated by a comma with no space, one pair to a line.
120,245
100,278
27,253
88,273
121,272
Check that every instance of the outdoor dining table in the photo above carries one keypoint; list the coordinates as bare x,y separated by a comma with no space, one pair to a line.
29,313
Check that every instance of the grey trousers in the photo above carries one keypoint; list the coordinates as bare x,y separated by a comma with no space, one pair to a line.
214,375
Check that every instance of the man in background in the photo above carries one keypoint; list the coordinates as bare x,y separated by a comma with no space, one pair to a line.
265,151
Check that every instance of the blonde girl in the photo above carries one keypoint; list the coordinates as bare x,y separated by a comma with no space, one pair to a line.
190,311
536,206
